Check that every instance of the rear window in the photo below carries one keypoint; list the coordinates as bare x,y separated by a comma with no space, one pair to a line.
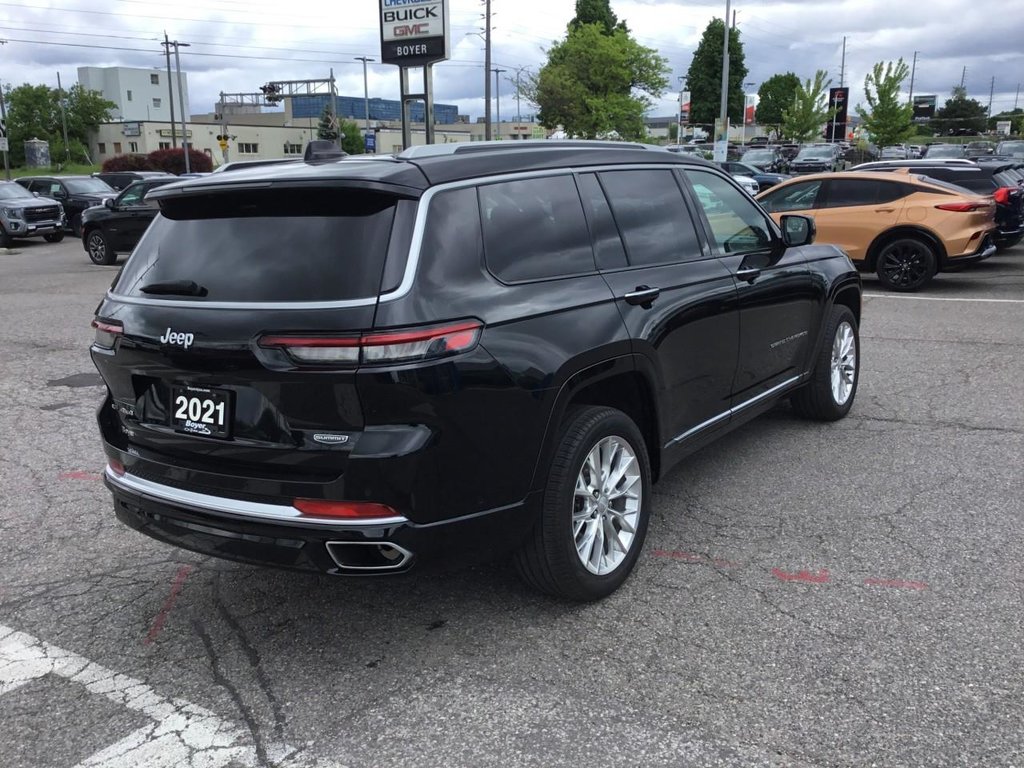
291,245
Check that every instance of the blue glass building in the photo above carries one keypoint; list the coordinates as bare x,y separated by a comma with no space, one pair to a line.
354,108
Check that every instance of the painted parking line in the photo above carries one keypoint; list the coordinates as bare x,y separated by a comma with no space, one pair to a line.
182,735
940,298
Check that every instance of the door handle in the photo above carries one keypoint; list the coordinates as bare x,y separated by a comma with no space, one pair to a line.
643,296
747,274
882,210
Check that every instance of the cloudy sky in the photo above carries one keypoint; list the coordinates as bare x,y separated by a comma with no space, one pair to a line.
237,45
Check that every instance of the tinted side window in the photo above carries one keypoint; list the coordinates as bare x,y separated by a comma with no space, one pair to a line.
888,191
737,224
845,193
651,213
795,197
534,229
133,196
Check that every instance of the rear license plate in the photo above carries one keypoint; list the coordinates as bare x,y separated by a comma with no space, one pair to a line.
201,411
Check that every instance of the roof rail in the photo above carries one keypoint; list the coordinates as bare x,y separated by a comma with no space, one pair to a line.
466,147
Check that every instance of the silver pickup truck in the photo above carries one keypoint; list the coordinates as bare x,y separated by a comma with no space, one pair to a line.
24,214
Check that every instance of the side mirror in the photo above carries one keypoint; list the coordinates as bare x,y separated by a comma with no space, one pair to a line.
109,201
60,194
36,194
798,230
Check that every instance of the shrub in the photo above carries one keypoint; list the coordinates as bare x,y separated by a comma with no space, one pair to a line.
173,161
127,163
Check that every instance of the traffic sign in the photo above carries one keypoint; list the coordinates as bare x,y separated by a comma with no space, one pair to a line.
370,142
3,144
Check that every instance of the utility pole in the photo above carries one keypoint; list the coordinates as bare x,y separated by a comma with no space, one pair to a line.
366,95
723,112
1017,97
842,65
3,121
181,104
335,123
63,119
991,93
963,78
913,71
497,98
223,129
170,89
487,70
679,112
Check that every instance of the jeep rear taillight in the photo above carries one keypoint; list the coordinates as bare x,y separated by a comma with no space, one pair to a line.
380,348
107,333
1002,195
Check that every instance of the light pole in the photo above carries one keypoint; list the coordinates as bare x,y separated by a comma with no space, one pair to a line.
679,112
366,95
497,99
181,98
720,156
170,89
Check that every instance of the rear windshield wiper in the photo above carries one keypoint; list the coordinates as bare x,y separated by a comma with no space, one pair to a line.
176,288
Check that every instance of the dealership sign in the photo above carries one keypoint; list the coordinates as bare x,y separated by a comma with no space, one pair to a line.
414,32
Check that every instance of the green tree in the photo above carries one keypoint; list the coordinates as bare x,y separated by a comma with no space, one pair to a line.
33,112
775,94
595,12
596,84
704,78
327,128
889,120
803,120
959,113
352,137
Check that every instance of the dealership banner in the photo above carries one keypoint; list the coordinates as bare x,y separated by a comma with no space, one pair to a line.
749,108
414,33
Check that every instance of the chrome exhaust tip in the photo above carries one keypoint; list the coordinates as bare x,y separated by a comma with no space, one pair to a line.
368,556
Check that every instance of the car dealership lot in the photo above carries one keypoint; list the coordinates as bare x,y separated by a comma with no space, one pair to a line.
810,594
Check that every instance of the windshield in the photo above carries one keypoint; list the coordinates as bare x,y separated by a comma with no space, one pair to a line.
814,152
15,191
757,155
88,186
945,150
1015,148
262,246
891,151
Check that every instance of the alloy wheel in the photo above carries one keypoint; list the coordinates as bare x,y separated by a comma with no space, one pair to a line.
905,264
844,363
606,505
97,248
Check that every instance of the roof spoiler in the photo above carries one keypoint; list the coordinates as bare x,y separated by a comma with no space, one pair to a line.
321,149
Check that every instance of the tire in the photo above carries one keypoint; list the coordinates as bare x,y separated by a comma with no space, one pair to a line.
98,248
906,264
56,237
552,559
829,394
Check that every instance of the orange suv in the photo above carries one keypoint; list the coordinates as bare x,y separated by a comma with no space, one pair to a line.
904,227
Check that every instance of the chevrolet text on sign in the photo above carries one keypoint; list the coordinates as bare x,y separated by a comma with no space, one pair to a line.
414,32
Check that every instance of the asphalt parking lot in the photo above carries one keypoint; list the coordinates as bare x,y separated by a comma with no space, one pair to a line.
836,595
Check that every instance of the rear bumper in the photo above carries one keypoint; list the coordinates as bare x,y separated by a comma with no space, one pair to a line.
276,535
986,249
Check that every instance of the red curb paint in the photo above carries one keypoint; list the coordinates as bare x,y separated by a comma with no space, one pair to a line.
895,584
176,585
821,577
79,474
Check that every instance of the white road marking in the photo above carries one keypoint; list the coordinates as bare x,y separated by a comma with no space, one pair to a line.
939,298
182,735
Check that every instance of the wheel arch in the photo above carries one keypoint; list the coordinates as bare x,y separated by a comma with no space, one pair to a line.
904,230
616,384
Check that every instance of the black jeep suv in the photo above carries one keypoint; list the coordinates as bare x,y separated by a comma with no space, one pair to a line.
354,365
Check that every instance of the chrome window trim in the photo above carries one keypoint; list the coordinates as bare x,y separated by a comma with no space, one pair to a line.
416,243
736,409
248,510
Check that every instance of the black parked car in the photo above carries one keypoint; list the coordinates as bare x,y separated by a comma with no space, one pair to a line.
764,180
817,158
351,366
75,193
767,159
23,214
986,178
118,224
118,180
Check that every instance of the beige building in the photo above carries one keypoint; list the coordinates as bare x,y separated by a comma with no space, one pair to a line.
273,135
